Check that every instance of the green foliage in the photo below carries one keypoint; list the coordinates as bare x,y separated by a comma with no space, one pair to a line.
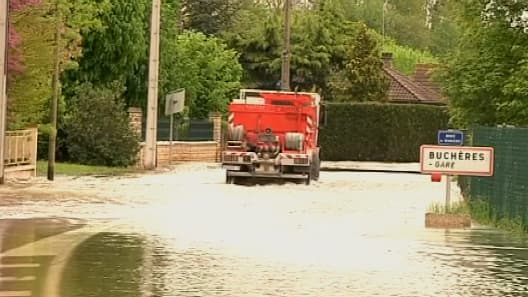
405,58
117,50
209,16
481,212
418,24
259,44
209,72
83,170
27,104
460,207
97,128
379,132
362,78
485,77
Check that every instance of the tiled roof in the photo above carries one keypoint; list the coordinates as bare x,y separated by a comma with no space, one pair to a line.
423,77
405,90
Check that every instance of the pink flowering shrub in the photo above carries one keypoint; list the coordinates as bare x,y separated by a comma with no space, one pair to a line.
14,63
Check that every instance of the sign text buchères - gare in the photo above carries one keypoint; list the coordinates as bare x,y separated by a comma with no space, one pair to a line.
474,161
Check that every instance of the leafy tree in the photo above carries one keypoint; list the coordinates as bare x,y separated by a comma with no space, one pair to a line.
209,16
485,77
32,53
98,128
209,72
14,62
31,64
117,50
362,79
259,44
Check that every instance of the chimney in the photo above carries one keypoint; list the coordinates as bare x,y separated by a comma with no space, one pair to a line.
387,59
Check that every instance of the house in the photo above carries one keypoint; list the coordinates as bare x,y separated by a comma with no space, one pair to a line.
420,88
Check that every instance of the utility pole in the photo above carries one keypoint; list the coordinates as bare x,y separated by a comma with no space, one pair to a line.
52,144
3,83
285,77
150,153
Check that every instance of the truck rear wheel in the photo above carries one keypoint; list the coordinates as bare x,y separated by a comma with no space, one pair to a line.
229,179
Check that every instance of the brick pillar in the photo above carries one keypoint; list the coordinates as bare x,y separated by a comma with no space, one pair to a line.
136,116
216,118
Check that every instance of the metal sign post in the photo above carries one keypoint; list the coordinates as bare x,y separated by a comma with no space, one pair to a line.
174,103
448,192
450,137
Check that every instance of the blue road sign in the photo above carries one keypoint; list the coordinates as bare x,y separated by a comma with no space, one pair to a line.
450,137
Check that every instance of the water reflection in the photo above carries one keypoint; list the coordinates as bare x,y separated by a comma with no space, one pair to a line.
108,264
460,263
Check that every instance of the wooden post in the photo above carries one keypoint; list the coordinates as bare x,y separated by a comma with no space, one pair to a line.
152,109
35,150
285,78
3,82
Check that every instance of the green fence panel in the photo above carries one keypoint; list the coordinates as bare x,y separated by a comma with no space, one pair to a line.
506,191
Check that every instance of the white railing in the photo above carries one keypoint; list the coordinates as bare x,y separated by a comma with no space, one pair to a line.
21,150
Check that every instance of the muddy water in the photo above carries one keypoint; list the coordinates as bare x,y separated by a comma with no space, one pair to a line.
185,233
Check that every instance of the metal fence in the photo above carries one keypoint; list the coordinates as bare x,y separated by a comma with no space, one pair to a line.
507,191
184,129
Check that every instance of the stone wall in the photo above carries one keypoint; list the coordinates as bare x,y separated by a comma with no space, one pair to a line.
182,151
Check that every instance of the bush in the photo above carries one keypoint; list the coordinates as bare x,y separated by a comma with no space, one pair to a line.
97,128
379,132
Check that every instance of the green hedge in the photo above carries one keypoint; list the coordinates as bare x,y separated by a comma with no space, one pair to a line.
379,132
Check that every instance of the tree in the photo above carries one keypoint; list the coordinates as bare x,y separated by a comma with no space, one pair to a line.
30,64
259,44
117,50
485,77
209,16
209,72
362,79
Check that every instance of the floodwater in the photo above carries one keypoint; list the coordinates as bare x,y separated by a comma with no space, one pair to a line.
186,233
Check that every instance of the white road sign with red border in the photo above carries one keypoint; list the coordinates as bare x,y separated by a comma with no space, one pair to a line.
462,160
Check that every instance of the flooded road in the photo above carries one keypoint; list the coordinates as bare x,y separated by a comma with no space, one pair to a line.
186,233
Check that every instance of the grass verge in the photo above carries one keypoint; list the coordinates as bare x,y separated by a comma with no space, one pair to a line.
454,208
480,212
83,170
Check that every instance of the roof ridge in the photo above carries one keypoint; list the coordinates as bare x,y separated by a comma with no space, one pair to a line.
419,92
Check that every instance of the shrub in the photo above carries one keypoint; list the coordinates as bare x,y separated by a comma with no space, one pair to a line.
97,128
379,132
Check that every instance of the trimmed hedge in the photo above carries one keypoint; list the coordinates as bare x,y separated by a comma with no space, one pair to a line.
379,132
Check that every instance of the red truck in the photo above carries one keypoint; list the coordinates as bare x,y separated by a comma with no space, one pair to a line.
273,134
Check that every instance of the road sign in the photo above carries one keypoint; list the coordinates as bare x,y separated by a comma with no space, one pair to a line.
174,102
465,160
450,137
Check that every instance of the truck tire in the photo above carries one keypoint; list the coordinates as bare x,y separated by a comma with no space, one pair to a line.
315,168
294,141
229,179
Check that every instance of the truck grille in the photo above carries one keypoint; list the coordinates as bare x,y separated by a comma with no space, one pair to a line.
231,158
